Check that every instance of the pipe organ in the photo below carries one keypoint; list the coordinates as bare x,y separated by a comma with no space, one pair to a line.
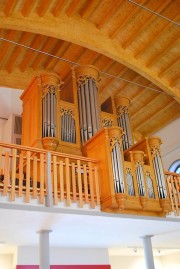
67,118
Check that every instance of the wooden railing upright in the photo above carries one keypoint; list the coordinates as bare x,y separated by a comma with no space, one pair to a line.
173,182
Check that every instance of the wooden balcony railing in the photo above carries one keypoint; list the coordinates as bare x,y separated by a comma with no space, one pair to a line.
49,177
173,182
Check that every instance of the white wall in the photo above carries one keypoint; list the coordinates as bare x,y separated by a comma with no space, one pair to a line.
6,261
131,262
171,261
30,256
170,148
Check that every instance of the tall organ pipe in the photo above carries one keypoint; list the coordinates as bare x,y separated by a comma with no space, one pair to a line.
117,168
89,109
122,105
154,143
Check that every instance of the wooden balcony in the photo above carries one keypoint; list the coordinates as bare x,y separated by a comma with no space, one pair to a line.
50,178
53,179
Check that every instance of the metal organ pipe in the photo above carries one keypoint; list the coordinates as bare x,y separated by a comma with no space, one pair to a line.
68,126
154,143
49,114
122,104
89,110
159,176
117,168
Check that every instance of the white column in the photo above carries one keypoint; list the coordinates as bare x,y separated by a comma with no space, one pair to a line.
148,253
44,261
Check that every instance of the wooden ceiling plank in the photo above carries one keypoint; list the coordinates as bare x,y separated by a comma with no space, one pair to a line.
166,68
148,103
72,8
155,38
174,80
16,53
111,80
60,52
145,25
30,53
133,9
58,7
109,14
27,7
43,7
159,55
5,45
154,115
9,7
46,47
55,46
88,8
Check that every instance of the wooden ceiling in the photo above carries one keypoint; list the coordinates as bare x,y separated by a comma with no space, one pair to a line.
119,37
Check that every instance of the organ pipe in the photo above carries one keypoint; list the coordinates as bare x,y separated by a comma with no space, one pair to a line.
122,105
117,164
158,167
89,110
50,85
68,130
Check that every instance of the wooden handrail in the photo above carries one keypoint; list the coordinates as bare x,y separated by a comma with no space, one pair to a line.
23,172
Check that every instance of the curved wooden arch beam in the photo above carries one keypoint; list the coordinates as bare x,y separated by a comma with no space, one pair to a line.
86,34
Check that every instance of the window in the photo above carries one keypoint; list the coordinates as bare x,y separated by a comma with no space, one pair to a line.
175,167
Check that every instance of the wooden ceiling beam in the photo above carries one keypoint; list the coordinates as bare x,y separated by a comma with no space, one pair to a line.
27,7
144,27
166,68
89,8
30,53
133,9
159,55
5,45
146,104
46,48
109,13
43,7
154,115
143,91
59,50
63,28
111,79
58,7
72,8
174,80
9,7
16,53
155,38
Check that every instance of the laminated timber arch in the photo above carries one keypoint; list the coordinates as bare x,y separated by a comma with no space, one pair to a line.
83,33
